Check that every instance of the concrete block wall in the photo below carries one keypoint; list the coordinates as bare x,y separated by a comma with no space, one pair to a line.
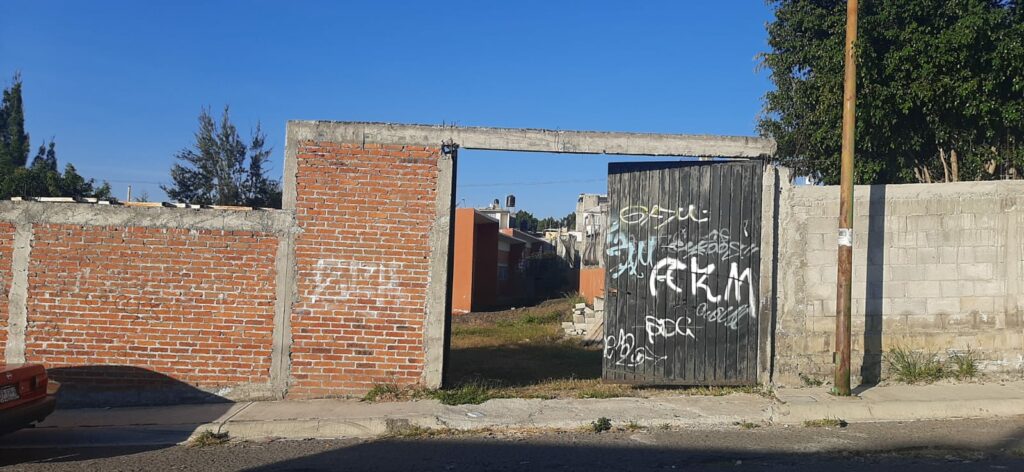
937,267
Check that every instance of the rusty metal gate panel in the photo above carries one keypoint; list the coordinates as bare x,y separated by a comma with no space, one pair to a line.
682,273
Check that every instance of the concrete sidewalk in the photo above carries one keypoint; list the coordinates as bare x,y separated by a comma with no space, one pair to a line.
356,419
902,403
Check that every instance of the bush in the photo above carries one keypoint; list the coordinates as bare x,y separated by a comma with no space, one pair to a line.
601,425
914,366
964,365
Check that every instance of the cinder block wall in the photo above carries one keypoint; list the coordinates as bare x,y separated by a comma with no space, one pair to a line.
362,258
937,267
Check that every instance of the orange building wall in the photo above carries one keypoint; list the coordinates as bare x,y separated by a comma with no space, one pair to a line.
462,267
591,283
475,264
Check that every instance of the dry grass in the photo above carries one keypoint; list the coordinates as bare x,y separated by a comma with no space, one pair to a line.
208,438
825,423
523,354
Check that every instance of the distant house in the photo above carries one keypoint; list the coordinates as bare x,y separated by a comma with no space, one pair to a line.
496,266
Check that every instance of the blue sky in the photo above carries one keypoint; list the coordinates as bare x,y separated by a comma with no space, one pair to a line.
119,84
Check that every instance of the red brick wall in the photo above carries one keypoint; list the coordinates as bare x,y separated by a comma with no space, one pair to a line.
361,264
194,305
6,251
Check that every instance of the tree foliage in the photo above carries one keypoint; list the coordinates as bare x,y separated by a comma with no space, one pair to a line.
42,178
526,221
940,95
221,169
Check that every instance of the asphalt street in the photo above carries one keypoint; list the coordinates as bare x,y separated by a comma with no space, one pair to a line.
974,445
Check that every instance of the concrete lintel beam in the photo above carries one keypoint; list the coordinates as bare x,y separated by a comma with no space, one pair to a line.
534,140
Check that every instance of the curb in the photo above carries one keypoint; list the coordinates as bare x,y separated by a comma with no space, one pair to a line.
858,410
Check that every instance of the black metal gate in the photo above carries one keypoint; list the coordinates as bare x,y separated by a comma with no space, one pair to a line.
683,263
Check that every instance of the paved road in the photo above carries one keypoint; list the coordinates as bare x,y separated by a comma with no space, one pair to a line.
926,446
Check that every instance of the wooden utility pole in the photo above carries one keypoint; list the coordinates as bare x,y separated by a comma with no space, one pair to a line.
845,280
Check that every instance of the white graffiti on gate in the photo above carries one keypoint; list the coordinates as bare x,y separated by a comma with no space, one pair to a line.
632,254
624,350
664,271
668,327
728,316
641,215
718,242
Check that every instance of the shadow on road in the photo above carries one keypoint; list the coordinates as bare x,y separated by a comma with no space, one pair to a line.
509,454
83,418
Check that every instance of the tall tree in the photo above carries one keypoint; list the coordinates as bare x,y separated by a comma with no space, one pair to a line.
42,178
14,143
221,169
939,90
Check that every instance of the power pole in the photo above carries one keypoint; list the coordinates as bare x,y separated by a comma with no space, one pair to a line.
845,280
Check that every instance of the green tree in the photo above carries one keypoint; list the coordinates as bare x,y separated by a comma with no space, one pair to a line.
14,143
525,221
568,221
546,224
221,169
939,90
42,178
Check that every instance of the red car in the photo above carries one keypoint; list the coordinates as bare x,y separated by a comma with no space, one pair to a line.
26,395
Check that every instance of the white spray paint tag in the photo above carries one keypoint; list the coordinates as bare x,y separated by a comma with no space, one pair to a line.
846,237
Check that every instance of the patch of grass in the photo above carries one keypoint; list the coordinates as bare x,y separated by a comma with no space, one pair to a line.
601,425
633,426
747,425
665,427
393,393
914,366
415,432
469,393
964,365
826,423
809,381
531,319
208,438
723,391
570,388
381,392
573,298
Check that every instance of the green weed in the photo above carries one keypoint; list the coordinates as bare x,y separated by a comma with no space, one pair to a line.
826,423
914,366
469,393
810,381
601,425
964,365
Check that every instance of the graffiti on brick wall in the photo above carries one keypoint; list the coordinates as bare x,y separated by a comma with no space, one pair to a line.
337,280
